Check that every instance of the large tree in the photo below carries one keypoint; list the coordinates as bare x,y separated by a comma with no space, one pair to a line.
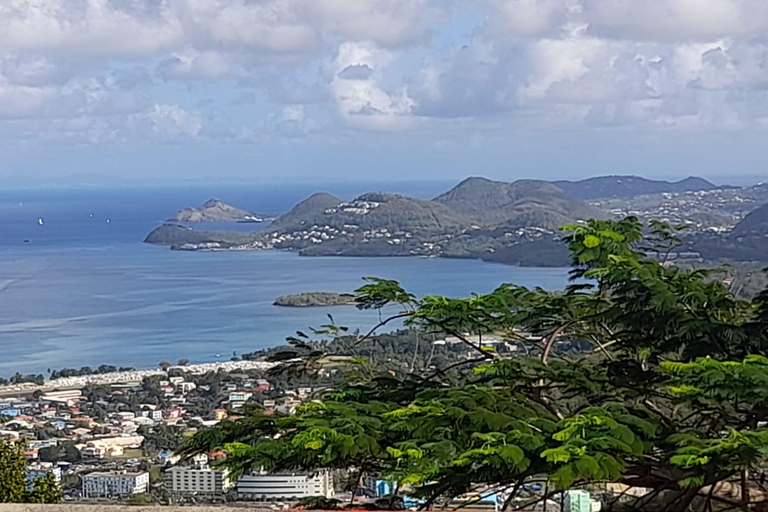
639,373
13,478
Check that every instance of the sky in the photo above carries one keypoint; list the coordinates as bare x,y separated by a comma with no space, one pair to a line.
163,91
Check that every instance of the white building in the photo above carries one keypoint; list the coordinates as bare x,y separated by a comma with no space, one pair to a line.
196,480
285,486
240,396
115,483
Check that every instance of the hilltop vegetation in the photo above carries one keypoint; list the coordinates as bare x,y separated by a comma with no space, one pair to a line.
315,299
524,203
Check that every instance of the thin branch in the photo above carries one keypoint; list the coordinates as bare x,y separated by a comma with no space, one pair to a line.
512,494
382,323
551,341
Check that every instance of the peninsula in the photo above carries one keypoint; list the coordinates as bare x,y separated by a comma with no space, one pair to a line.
214,210
506,222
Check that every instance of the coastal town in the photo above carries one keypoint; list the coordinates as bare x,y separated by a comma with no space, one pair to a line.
113,436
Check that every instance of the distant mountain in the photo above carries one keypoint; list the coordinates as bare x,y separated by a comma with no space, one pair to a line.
524,203
372,211
214,210
477,218
629,186
755,223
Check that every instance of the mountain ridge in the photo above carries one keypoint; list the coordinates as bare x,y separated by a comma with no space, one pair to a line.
626,186
494,202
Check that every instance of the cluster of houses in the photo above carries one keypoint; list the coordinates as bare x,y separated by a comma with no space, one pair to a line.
96,444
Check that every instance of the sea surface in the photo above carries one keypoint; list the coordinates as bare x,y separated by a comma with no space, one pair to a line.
82,288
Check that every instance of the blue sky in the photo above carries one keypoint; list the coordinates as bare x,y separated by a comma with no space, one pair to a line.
157,91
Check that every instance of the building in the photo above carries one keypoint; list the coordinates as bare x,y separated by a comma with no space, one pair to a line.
97,451
577,500
35,471
186,387
196,480
240,396
114,483
285,486
109,446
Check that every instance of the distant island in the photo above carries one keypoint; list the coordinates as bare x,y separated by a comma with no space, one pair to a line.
506,222
214,210
315,299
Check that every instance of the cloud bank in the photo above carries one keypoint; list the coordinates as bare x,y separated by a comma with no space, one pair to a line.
343,72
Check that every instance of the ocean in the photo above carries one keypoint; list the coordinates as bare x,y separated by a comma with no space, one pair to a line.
82,289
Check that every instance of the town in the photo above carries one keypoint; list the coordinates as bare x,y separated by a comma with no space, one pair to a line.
112,436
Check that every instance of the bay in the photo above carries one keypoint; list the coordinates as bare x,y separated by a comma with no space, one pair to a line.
83,291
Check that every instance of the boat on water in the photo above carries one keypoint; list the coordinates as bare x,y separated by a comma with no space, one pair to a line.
40,221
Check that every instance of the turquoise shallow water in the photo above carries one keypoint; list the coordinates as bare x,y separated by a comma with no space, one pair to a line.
86,292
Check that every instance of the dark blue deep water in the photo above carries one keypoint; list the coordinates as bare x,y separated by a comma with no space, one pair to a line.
80,290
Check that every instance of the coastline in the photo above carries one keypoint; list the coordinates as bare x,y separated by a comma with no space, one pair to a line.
129,376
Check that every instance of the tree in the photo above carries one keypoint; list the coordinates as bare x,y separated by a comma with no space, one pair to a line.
183,362
45,490
13,472
164,365
13,478
639,373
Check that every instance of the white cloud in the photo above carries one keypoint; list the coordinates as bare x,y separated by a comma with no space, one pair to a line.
84,29
170,120
676,20
530,18
326,68
362,101
194,64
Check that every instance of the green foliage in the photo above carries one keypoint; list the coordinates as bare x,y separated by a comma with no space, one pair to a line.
639,373
13,478
45,490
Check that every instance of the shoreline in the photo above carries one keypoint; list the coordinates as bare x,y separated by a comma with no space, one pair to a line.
82,381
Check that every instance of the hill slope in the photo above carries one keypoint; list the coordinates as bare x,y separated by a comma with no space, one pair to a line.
629,186
524,203
755,223
176,236
372,211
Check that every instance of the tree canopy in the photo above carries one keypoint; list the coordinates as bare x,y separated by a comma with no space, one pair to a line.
13,478
664,386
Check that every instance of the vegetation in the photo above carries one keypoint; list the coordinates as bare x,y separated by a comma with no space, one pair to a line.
13,478
668,393
18,378
87,370
314,299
